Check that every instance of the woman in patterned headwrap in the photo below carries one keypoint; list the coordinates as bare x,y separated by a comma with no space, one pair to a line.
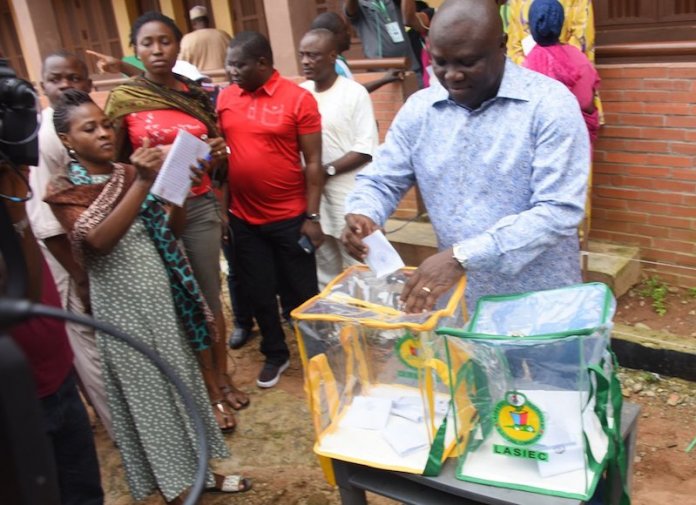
567,64
562,62
578,29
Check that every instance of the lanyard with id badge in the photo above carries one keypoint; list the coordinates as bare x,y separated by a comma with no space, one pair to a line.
391,27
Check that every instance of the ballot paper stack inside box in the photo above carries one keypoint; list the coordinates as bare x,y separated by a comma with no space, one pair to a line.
540,376
376,377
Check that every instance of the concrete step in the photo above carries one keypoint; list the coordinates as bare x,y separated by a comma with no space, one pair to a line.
617,266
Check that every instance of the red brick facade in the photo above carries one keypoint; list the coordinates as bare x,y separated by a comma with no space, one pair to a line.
645,166
387,101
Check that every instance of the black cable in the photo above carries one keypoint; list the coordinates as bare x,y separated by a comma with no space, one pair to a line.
409,221
14,310
12,198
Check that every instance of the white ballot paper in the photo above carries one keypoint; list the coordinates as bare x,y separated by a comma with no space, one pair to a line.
408,407
382,258
174,178
405,437
367,413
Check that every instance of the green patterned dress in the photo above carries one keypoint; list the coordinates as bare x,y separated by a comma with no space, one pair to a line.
129,288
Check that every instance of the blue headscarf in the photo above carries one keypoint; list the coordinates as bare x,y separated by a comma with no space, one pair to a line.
546,21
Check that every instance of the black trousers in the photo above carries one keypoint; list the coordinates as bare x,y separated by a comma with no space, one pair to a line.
267,261
241,305
67,426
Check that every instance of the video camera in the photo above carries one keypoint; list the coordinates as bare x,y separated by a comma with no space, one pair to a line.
19,129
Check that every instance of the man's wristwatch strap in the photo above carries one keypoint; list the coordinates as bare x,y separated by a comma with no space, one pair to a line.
313,217
459,254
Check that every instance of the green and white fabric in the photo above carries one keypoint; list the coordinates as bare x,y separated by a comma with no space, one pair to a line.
536,375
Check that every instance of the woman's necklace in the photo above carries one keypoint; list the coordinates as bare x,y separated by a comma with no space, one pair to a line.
79,175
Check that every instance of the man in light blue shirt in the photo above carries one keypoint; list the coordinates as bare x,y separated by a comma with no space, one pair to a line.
501,157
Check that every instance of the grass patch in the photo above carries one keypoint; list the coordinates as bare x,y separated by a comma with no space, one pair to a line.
656,290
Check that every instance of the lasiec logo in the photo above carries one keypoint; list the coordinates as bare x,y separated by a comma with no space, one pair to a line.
518,420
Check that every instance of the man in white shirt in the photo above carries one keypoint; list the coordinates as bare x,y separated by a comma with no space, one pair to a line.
348,136
63,71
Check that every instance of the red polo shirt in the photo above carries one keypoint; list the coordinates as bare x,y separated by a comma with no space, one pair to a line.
262,128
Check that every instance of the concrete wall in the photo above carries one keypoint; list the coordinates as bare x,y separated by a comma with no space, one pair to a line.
645,165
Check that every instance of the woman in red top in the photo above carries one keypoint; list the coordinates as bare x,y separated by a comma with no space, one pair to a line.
156,106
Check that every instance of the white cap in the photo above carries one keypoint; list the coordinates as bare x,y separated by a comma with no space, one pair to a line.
189,70
198,12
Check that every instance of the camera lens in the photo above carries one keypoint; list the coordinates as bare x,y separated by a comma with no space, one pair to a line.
16,94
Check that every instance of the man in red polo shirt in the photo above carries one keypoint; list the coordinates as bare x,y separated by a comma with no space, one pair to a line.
270,124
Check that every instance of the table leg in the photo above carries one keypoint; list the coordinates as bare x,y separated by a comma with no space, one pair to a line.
350,495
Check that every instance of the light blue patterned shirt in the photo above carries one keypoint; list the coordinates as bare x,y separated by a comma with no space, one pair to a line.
507,180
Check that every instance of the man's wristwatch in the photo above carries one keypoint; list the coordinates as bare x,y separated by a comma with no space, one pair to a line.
330,170
314,217
459,254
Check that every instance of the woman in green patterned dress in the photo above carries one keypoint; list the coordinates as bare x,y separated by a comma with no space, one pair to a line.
141,283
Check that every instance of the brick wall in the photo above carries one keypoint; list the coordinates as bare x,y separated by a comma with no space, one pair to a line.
645,166
387,101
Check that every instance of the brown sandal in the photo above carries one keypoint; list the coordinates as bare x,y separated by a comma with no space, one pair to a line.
223,417
230,484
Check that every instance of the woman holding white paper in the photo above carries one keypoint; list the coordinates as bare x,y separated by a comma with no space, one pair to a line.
141,283
156,106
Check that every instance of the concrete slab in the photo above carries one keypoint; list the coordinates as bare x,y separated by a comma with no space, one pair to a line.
617,266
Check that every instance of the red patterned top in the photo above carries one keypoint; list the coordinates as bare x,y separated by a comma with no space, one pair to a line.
161,127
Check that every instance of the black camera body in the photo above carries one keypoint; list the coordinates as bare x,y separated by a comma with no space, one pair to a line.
19,139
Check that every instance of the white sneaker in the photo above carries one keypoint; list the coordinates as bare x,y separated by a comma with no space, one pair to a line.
270,374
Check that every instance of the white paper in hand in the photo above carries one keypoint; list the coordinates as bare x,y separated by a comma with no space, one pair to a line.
382,258
174,178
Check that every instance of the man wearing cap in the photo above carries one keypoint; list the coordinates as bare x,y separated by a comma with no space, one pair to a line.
205,47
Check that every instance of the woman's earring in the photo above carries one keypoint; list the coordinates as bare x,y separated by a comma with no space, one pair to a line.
73,155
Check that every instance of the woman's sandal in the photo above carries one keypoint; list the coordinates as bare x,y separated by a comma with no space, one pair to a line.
230,484
223,417
230,391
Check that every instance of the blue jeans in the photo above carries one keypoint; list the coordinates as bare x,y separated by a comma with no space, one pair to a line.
70,433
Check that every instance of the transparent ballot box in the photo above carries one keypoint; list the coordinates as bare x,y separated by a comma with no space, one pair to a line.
376,378
537,376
